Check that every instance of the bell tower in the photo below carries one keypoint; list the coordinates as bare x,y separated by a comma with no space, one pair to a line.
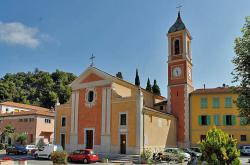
180,77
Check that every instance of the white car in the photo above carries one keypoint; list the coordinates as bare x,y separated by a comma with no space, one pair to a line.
29,148
45,152
186,156
245,150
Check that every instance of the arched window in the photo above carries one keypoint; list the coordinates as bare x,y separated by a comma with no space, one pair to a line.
90,96
177,47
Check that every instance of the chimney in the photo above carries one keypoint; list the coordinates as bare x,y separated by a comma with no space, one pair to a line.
204,86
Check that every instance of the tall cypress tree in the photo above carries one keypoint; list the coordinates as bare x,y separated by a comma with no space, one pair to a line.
156,89
137,78
149,86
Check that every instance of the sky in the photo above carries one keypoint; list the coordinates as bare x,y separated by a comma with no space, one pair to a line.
122,34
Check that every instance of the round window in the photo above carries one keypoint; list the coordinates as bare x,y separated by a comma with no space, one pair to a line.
90,96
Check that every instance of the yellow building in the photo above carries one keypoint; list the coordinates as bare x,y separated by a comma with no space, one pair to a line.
111,115
215,107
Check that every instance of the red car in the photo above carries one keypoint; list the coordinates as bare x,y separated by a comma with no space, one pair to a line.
85,156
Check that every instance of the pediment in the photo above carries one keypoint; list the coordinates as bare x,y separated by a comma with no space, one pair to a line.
91,77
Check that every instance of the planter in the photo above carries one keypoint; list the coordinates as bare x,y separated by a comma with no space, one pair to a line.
105,160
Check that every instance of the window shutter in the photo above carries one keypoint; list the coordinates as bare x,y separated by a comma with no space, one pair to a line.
208,120
199,120
215,120
224,119
233,119
218,120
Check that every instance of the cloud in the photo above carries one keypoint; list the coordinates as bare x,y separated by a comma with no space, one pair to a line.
16,33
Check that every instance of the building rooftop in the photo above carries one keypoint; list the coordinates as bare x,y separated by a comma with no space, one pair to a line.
31,112
24,106
213,90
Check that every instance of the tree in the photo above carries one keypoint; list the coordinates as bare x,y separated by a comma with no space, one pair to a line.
7,132
156,89
149,86
241,72
137,78
219,148
37,88
119,75
22,138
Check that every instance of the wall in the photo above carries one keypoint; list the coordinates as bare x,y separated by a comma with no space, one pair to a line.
63,110
196,110
44,130
159,131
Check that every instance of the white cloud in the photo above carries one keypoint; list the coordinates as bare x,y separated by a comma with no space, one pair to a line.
16,33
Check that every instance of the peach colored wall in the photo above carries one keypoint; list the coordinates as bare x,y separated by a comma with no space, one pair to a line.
41,126
90,117
34,127
164,127
92,77
63,110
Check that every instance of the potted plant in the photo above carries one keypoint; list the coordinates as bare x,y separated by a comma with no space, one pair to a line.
59,157
105,159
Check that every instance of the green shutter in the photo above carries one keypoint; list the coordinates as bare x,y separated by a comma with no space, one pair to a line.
218,120
215,119
224,119
203,102
208,120
233,120
199,120
216,102
228,102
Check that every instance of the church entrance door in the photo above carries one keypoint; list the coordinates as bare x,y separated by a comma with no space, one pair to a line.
123,144
89,139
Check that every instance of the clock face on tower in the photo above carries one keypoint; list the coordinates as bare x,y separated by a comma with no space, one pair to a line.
177,71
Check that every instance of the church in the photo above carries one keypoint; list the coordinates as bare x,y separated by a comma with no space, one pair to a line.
111,115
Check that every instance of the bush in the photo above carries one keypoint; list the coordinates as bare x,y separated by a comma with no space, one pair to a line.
146,154
2,146
59,157
219,148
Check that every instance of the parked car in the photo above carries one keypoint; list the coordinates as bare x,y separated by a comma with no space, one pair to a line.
191,152
245,150
31,149
85,156
16,150
174,153
196,149
45,152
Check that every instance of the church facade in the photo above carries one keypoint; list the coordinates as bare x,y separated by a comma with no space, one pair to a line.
111,115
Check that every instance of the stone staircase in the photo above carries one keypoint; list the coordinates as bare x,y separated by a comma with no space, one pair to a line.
121,158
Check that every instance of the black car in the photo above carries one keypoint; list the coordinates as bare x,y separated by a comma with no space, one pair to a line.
16,150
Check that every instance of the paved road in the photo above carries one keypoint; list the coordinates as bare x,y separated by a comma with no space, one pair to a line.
32,161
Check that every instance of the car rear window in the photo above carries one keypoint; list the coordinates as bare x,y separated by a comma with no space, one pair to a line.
92,152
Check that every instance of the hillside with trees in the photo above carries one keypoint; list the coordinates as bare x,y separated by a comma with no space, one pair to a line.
36,88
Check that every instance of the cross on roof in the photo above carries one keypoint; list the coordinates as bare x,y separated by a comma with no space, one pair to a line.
179,7
92,60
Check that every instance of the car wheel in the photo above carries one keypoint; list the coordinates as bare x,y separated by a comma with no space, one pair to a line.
85,161
49,157
69,159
